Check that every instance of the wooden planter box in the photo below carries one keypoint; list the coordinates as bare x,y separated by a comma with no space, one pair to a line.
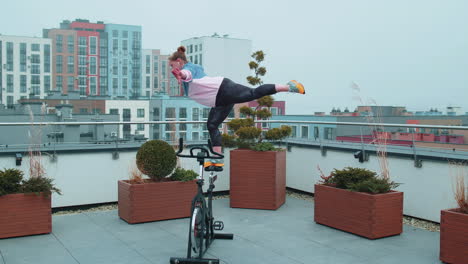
257,179
368,215
25,214
453,236
154,201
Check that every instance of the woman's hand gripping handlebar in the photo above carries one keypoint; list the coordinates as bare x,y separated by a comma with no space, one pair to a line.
204,151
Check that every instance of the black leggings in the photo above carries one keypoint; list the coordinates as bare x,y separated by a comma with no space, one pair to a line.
231,93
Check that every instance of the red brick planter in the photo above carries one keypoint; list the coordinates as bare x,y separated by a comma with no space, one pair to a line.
453,237
368,215
154,201
25,214
257,179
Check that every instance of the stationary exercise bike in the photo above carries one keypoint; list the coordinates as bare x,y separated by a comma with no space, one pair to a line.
202,224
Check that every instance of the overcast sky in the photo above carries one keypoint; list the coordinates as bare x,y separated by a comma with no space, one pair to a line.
410,53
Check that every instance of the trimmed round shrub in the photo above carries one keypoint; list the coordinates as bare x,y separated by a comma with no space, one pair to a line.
156,158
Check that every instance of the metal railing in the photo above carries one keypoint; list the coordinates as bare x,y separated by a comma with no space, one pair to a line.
256,121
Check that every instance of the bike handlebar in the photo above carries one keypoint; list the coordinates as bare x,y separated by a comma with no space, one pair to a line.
202,149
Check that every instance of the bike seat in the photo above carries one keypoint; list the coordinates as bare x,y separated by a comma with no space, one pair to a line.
210,166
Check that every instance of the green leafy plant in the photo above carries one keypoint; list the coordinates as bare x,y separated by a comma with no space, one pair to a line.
157,159
39,185
359,180
184,175
244,132
11,181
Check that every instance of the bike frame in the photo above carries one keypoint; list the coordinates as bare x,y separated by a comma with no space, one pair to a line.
200,201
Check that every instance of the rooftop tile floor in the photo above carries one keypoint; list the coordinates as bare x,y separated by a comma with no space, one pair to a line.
288,235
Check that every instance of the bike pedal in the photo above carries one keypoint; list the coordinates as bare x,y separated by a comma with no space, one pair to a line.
218,225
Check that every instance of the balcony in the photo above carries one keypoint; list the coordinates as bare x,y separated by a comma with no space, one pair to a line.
287,235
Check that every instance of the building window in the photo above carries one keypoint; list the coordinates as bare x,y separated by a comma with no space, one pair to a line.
10,83
82,42
114,111
115,67
46,84
46,58
115,46
82,52
305,132
70,64
125,84
35,69
328,133
9,64
58,64
23,84
155,64
126,115
155,82
140,112
163,68
22,57
59,43
70,83
59,83
195,136
36,59
195,117
82,90
125,67
35,79
294,131
93,85
316,132
274,110
10,101
124,34
148,64
182,113
206,112
93,65
35,47
83,110
93,45
156,135
200,60
170,112
196,59
125,45
148,82
141,127
71,44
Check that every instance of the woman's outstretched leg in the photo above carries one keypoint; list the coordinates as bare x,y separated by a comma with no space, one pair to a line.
234,93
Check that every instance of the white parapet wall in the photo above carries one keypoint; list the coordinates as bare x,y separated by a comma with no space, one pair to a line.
91,177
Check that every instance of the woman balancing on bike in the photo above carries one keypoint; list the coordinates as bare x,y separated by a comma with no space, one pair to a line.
219,93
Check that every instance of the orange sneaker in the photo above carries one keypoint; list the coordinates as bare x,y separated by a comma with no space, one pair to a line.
296,87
